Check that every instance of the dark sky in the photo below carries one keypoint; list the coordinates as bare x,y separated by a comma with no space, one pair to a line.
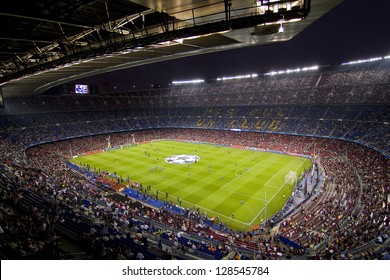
354,29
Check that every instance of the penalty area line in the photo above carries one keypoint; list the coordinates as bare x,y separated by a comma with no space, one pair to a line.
265,206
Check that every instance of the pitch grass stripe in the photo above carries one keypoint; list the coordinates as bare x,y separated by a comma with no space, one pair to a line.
243,178
249,196
238,177
280,163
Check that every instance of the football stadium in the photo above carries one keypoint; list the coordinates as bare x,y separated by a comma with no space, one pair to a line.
280,164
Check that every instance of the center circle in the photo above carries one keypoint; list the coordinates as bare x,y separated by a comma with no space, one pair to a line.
182,159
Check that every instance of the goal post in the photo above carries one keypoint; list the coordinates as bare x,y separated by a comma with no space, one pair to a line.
291,178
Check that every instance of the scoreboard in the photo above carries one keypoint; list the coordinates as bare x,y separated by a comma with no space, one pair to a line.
81,89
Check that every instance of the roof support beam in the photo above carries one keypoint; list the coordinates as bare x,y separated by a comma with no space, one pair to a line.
26,40
45,20
10,52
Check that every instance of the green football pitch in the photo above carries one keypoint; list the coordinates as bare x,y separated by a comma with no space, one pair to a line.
240,187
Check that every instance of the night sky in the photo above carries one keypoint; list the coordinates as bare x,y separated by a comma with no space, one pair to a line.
354,29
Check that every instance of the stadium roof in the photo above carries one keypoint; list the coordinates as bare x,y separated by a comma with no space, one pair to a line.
47,43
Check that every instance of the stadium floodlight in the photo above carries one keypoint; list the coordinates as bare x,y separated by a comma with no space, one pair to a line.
387,57
290,71
362,61
196,81
238,77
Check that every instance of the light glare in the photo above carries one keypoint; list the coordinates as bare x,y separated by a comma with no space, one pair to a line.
362,60
237,77
289,71
196,81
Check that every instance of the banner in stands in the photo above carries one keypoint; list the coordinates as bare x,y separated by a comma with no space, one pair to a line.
290,243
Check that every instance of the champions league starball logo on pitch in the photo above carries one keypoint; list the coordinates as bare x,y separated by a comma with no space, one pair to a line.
182,159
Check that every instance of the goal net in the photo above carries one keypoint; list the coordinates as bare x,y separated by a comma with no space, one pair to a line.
291,178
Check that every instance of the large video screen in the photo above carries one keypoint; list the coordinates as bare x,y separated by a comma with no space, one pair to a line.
81,89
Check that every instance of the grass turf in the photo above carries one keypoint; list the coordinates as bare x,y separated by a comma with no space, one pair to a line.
230,184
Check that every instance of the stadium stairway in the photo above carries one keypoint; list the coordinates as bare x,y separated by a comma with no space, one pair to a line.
314,208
